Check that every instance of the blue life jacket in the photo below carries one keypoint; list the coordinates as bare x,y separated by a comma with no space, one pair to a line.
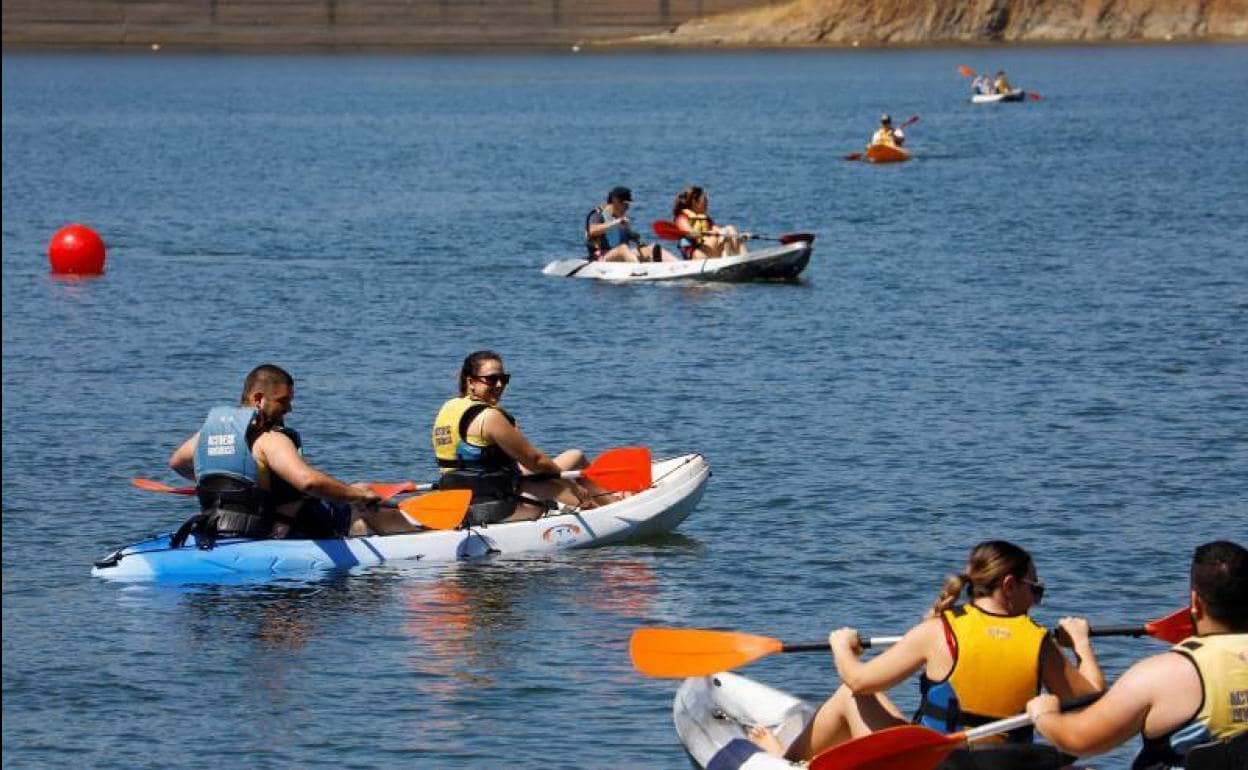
232,504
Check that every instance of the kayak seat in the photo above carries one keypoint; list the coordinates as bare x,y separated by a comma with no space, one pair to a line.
1010,756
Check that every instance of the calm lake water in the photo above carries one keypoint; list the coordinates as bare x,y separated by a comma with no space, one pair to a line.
1036,330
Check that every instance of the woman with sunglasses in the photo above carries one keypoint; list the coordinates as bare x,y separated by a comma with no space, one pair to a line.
479,447
980,661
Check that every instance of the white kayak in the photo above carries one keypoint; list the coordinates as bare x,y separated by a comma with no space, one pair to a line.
1017,95
677,488
713,716
782,262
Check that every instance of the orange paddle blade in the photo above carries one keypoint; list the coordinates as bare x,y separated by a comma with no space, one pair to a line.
966,71
156,486
626,469
1173,628
668,231
682,652
438,510
908,747
387,491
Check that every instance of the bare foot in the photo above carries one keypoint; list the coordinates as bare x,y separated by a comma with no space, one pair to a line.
766,740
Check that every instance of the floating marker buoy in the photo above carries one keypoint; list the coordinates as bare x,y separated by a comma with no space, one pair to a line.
76,250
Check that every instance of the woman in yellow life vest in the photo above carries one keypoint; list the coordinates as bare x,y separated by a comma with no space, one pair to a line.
980,661
479,447
702,238
1001,84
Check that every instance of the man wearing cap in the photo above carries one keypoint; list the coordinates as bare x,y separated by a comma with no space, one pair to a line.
893,137
609,236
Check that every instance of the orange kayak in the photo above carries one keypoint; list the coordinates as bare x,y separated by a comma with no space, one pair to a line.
885,153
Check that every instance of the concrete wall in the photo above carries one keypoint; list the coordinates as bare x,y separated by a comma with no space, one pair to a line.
343,23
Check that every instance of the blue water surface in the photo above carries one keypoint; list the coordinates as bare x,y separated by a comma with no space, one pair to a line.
1035,330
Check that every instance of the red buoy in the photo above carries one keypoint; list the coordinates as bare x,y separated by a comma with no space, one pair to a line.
76,250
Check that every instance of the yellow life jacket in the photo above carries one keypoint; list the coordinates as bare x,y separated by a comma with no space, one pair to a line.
1222,662
996,670
699,223
1003,86
455,447
884,136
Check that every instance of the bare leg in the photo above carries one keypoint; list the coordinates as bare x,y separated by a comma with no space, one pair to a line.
386,520
766,740
734,244
621,253
842,717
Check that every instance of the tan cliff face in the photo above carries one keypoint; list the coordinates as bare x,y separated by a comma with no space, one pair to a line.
905,22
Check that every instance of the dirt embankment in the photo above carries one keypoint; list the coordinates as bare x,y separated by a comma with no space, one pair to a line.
905,22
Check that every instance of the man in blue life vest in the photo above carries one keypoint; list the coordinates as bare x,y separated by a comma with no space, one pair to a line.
1189,705
253,482
609,236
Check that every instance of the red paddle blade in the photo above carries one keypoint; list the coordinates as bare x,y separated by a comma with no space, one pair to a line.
797,237
156,486
1034,96
684,652
668,231
387,491
1173,628
966,71
626,469
438,510
909,747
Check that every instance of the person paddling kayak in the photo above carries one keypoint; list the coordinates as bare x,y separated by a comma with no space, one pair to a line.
1001,85
252,480
609,236
1189,705
701,237
887,135
980,661
479,447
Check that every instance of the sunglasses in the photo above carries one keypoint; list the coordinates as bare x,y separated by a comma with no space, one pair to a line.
493,380
1037,588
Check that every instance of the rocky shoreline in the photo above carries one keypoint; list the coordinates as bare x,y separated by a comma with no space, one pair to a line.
601,24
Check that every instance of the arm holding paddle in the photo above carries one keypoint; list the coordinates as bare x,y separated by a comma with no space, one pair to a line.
1058,675
886,670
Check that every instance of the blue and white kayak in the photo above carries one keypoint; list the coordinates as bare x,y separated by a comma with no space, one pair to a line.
714,714
678,486
780,263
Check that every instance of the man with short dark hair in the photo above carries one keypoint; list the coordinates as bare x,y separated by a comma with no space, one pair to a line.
1189,705
609,236
251,477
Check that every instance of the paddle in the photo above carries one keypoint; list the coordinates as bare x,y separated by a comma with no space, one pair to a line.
682,652
668,231
858,156
913,747
437,510
624,469
156,486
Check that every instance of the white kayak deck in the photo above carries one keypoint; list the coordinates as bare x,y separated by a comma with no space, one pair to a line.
781,262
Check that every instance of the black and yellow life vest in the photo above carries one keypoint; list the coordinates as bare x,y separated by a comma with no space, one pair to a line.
471,461
996,670
1222,662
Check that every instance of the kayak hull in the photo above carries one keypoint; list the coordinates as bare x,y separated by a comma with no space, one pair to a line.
1017,95
713,715
779,263
678,486
886,153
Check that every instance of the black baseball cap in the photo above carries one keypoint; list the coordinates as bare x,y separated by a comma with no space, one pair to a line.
620,193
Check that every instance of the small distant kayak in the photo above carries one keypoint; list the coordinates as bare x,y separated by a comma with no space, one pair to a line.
886,153
713,716
1017,95
677,488
780,263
